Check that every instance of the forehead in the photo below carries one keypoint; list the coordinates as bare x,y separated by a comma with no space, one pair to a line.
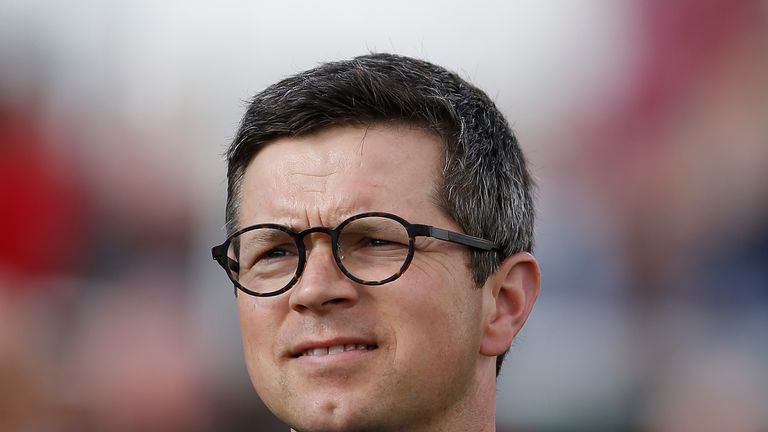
323,177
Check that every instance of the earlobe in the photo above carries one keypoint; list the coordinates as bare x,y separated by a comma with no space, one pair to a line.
510,293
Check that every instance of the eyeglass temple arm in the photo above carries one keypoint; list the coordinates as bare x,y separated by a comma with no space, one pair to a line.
453,237
219,252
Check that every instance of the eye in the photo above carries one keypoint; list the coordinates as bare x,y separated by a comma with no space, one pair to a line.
277,253
378,242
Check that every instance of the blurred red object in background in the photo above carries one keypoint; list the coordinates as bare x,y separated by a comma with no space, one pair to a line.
41,204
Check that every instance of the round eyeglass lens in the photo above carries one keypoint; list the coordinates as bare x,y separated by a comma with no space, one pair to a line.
266,259
373,248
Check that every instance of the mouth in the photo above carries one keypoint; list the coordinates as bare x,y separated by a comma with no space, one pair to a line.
330,350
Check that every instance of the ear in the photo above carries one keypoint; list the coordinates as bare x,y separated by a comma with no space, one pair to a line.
508,297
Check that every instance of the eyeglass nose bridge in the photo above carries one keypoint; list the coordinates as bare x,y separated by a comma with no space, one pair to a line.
333,233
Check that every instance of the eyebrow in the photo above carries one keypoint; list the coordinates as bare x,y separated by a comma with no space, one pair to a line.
365,226
338,217
264,236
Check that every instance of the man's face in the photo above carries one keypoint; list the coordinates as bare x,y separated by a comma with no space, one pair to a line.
416,339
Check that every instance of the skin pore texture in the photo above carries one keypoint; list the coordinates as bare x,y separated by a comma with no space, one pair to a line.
424,345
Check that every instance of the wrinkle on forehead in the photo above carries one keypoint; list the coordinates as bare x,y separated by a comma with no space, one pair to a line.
330,175
361,146
313,170
309,183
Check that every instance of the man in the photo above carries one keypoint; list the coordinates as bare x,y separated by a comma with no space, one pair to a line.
381,221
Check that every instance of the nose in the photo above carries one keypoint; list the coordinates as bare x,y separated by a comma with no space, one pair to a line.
322,287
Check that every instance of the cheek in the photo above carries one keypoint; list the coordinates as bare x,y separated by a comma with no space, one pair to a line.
439,324
258,334
259,324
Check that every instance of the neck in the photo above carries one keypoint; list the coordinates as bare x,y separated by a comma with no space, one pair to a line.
476,411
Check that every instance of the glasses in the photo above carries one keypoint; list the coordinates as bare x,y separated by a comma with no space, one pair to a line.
370,248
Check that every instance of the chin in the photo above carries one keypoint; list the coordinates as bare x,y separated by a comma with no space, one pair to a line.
329,417
325,424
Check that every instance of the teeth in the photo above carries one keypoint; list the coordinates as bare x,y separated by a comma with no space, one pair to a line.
318,351
336,349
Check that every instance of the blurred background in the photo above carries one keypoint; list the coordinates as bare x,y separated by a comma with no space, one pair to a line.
645,121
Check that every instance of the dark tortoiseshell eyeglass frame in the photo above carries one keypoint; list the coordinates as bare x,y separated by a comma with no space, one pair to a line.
230,266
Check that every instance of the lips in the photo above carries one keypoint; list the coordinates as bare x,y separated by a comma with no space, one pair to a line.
336,349
318,349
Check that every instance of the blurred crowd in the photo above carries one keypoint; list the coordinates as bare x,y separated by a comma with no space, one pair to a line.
652,234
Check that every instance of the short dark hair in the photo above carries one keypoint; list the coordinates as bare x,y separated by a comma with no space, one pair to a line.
486,187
